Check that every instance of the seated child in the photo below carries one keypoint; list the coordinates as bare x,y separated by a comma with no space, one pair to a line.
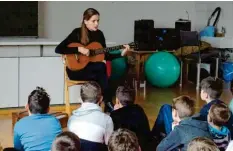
211,90
130,116
168,118
38,130
88,122
218,116
186,129
123,140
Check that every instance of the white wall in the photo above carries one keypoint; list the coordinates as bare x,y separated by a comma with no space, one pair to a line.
205,9
58,19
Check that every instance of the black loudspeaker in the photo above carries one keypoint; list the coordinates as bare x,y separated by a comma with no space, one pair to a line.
183,24
166,38
144,34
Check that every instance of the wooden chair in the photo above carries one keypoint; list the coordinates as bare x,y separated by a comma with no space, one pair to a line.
68,83
191,38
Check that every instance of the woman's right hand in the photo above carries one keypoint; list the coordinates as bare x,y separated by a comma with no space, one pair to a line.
84,51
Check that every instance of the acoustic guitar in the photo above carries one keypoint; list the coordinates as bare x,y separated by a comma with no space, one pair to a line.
97,54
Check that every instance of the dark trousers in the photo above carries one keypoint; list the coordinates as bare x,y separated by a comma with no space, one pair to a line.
163,123
94,71
92,146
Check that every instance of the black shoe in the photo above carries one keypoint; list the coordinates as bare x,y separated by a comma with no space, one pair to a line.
109,107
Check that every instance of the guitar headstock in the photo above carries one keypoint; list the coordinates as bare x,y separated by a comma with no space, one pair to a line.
133,45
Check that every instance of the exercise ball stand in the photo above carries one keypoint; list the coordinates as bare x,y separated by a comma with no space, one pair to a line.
138,84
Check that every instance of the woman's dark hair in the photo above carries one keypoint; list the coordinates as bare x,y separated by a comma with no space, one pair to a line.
38,101
84,31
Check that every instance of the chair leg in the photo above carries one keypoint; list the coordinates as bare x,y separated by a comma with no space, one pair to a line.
144,88
67,100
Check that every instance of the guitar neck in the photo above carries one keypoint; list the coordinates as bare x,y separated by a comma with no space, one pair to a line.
104,50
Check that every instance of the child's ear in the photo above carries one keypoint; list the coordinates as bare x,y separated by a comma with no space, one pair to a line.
209,119
48,110
139,149
27,107
100,100
176,113
117,101
206,95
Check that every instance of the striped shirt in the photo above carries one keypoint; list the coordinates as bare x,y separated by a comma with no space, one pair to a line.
220,137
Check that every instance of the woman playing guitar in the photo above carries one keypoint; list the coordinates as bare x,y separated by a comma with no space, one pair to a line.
95,71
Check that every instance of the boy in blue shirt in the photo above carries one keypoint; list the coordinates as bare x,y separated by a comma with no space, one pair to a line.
38,130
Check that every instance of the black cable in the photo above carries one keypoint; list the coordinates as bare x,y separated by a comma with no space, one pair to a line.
218,9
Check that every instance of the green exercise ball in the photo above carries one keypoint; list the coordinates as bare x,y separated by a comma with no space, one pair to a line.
118,66
162,69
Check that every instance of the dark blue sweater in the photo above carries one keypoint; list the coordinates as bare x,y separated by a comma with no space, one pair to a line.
133,117
205,109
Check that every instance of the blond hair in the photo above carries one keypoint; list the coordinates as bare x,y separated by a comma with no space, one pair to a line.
184,106
202,144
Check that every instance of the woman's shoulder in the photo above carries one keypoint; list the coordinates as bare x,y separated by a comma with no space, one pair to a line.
100,31
77,29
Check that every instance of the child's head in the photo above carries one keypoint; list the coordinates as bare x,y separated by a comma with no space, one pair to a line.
123,140
124,96
218,115
38,101
91,92
66,141
211,89
182,107
202,144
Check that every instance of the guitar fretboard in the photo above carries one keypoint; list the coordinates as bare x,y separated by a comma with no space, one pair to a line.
103,50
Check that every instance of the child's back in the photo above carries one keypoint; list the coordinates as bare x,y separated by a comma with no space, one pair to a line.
183,133
218,116
211,90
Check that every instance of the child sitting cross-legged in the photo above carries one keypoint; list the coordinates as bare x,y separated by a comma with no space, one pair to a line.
186,128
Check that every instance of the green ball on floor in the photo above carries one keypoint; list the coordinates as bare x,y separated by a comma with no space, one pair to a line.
119,66
162,69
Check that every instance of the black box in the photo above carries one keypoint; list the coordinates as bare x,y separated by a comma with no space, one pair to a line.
144,34
182,24
166,38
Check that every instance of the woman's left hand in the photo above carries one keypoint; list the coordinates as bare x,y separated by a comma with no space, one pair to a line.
125,50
